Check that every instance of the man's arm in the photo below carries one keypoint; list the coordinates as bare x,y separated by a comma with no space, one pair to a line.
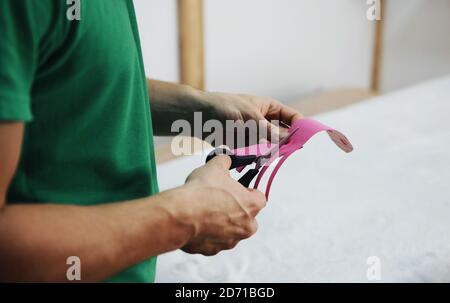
37,239
171,102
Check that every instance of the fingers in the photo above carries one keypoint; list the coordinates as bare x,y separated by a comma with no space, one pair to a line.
212,246
227,230
248,229
279,111
221,161
254,202
274,133
289,115
284,114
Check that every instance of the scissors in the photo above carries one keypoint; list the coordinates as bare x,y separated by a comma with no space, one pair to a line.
241,161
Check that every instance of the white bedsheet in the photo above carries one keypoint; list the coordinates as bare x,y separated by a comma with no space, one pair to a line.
329,211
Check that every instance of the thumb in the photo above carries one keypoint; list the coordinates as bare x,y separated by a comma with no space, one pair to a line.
222,161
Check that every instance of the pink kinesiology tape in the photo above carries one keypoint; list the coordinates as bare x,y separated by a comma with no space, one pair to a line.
307,128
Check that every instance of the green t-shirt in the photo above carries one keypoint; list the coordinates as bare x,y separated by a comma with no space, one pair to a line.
81,88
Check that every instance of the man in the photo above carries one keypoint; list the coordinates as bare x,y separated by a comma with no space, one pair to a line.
77,169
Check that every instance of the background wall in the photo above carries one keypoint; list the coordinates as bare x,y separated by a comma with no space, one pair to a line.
157,20
289,48
417,42
286,48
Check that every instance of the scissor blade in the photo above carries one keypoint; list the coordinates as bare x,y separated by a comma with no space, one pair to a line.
273,151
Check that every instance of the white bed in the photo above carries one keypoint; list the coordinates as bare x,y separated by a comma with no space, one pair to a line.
390,198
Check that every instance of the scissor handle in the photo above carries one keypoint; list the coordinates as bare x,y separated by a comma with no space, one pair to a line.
248,177
236,161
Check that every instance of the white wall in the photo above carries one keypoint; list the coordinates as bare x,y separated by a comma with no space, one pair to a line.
282,48
417,44
287,48
157,21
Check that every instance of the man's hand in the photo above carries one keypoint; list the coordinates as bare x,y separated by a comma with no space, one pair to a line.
248,107
222,211
171,102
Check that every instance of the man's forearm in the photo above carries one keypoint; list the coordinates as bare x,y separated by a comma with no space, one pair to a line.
171,101
36,240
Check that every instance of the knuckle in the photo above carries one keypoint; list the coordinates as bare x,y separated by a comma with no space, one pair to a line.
256,200
260,199
223,160
214,251
193,174
254,227
252,202
274,101
250,228
207,252
231,244
210,250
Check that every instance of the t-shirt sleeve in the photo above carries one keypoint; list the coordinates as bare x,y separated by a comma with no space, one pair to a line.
20,33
